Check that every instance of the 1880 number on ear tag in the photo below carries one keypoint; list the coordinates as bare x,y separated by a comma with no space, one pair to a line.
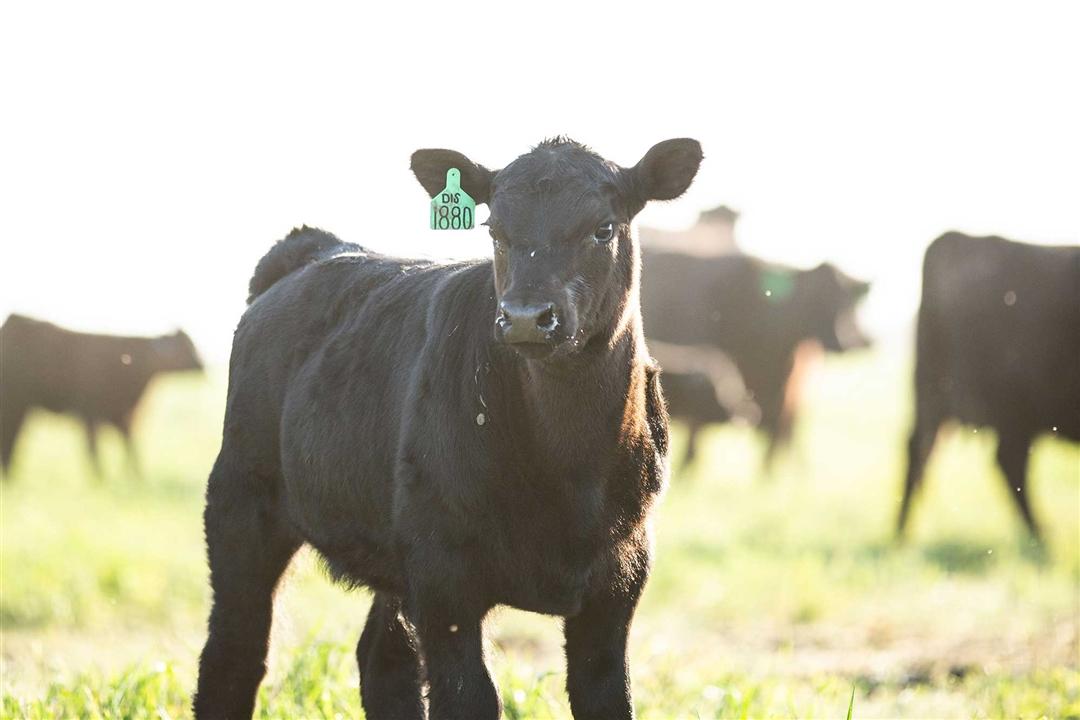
452,209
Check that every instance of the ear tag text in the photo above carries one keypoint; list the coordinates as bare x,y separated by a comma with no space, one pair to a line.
452,209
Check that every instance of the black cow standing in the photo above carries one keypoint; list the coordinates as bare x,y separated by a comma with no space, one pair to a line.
454,437
998,345
97,378
757,313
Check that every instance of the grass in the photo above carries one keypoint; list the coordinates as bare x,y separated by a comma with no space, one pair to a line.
784,598
320,683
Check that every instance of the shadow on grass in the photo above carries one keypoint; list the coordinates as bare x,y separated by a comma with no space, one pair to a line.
965,556
960,556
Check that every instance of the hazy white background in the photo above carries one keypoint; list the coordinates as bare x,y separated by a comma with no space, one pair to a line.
150,153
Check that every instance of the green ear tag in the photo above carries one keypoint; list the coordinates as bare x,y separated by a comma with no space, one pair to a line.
777,285
452,209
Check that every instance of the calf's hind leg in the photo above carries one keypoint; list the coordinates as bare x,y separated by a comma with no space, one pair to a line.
249,545
389,665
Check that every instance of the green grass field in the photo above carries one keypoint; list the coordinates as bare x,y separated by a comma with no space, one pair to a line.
768,599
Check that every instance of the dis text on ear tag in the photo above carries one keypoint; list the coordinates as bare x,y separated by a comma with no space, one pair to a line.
452,209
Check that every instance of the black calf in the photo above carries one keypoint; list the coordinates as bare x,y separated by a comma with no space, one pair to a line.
388,413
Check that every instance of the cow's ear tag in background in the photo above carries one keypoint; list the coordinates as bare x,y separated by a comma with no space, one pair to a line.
777,285
452,209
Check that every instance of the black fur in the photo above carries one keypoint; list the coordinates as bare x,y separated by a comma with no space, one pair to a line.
298,248
373,414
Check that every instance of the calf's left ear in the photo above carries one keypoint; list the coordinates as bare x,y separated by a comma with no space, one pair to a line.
667,169
430,166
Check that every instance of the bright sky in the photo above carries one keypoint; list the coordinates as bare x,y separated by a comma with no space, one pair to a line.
150,154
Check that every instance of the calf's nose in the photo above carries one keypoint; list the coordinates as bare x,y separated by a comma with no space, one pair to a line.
527,322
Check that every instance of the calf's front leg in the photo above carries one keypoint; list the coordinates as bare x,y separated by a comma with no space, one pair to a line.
451,642
597,671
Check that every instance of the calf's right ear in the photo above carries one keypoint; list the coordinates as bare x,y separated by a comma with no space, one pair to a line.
430,166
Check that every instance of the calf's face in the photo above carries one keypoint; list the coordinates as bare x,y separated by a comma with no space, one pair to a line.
564,258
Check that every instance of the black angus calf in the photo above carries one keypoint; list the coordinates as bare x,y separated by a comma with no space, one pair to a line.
757,313
454,437
97,378
997,345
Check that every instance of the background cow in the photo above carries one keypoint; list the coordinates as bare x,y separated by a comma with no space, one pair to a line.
97,378
757,313
702,386
998,345
712,234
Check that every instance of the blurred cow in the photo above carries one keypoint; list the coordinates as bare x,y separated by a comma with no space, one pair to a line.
702,386
998,345
756,312
97,378
712,234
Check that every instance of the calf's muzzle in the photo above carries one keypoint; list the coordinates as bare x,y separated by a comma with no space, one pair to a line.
527,322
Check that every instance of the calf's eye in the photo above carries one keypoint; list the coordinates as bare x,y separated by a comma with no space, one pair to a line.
604,232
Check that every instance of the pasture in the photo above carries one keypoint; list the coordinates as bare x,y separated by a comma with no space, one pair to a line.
768,598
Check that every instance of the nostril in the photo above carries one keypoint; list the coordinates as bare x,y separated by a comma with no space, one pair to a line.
535,322
547,320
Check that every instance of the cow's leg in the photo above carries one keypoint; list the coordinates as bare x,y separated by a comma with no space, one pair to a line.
771,412
134,465
91,428
920,444
1012,455
597,673
12,415
451,642
249,545
389,664
692,431
779,440
769,461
